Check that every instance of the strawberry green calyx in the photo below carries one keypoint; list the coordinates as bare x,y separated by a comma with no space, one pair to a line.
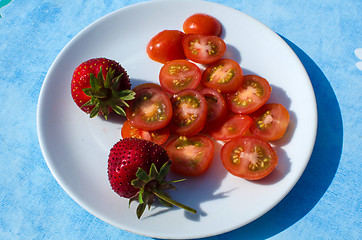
152,186
105,95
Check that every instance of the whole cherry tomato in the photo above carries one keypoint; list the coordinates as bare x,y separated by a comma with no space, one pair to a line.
166,46
201,23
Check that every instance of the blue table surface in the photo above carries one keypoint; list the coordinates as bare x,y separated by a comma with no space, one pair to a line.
324,204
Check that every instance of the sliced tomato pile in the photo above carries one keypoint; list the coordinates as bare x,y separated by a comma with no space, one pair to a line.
202,98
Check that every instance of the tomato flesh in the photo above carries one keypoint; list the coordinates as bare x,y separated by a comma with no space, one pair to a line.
166,46
159,136
254,93
201,23
270,122
248,157
224,75
190,156
189,112
216,108
150,110
235,126
178,75
203,49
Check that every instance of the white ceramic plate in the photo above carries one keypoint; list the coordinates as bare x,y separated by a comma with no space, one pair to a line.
76,147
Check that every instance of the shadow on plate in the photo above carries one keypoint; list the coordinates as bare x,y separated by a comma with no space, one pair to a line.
325,157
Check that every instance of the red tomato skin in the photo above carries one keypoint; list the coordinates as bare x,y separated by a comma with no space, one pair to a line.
168,75
166,46
159,136
135,116
279,126
203,56
257,102
182,165
234,127
198,124
201,23
226,86
216,116
241,169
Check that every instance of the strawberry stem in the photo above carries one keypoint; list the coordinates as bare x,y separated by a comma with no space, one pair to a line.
173,202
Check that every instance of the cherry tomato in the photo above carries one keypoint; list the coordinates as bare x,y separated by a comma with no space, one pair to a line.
201,23
150,110
203,48
159,136
189,112
190,156
216,108
178,75
235,126
166,46
253,94
248,157
224,75
270,122
146,85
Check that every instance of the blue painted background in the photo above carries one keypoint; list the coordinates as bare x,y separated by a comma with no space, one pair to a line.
325,203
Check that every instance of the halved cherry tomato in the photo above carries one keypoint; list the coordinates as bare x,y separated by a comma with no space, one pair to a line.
150,110
249,157
190,156
146,85
159,136
224,75
254,93
203,48
270,122
235,126
216,108
189,112
201,23
166,46
178,75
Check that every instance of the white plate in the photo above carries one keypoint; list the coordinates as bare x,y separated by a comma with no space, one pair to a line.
76,147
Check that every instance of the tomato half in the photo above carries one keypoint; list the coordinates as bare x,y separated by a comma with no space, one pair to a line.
201,23
178,75
166,46
190,156
203,48
159,136
216,108
254,93
146,85
224,75
248,157
150,110
235,126
270,122
189,112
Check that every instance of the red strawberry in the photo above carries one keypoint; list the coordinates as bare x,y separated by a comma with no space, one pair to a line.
101,85
137,169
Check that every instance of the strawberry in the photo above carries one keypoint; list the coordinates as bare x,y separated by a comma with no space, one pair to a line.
101,85
137,169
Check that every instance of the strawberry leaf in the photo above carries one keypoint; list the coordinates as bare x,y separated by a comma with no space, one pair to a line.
140,209
116,82
100,78
164,171
124,95
95,110
153,171
118,109
141,174
93,82
109,78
